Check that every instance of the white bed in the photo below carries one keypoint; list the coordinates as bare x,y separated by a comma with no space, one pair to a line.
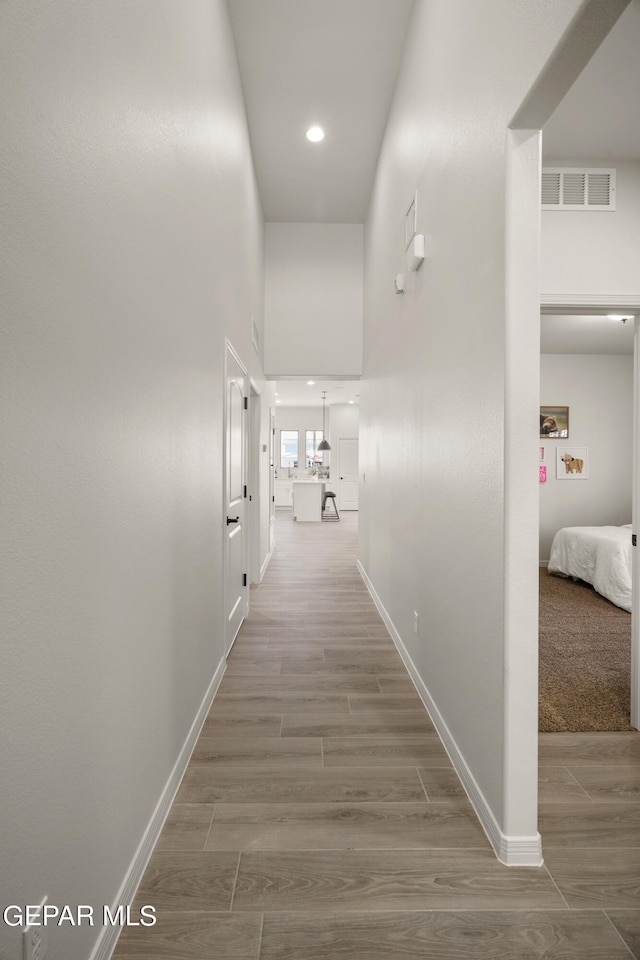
599,555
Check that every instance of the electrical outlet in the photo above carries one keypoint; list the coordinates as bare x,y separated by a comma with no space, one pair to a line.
415,622
35,942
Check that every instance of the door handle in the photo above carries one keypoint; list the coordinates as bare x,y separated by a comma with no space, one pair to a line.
233,520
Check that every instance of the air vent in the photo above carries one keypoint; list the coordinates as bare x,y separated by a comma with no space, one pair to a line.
573,188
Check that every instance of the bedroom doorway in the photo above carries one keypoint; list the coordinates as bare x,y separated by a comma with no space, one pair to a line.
635,615
588,254
582,347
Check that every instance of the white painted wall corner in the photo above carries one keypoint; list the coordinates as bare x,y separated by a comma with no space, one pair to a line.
513,851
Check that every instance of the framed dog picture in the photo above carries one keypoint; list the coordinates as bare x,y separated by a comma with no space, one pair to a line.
572,463
554,422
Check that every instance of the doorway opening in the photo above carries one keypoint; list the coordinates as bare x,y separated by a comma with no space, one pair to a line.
586,366
309,411
235,496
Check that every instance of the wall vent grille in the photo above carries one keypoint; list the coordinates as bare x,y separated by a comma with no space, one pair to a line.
573,188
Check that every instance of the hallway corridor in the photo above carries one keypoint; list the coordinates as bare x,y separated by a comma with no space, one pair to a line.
320,817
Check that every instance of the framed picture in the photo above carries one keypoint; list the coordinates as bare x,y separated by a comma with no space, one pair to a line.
572,463
554,422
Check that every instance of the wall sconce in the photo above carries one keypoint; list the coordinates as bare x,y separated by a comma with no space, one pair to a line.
400,283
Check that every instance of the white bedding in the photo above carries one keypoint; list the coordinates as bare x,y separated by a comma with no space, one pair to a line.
599,555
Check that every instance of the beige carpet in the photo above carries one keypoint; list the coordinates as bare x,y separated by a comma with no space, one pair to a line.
585,658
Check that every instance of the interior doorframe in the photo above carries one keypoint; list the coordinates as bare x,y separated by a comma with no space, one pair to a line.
625,304
272,479
254,480
231,351
523,167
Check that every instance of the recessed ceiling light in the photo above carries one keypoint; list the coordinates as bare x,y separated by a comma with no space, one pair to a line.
351,401
278,401
315,134
311,383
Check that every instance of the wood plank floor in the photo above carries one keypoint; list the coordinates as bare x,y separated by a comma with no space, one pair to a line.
320,818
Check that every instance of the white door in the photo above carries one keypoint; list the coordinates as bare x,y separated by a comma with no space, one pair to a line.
272,474
235,570
348,473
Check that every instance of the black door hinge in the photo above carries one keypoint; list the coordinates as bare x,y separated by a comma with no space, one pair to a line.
246,403
634,540
245,490
244,579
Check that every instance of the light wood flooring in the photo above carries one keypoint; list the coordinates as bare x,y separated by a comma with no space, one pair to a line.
320,817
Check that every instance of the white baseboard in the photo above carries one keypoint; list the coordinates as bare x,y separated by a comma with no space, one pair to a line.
263,568
513,851
108,938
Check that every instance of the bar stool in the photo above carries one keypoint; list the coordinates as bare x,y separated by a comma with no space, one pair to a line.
328,495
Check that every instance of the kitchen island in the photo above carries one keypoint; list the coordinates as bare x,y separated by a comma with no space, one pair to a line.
307,500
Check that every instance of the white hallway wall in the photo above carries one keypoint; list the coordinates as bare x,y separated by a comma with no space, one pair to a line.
432,401
345,424
594,253
313,299
300,419
599,393
133,246
261,472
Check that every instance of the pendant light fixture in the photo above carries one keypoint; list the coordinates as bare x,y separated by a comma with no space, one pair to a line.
324,443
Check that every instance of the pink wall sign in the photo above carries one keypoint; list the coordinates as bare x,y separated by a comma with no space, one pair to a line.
543,474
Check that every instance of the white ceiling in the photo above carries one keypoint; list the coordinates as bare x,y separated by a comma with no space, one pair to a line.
297,393
335,62
599,117
327,62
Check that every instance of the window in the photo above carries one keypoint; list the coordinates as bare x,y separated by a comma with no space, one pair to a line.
288,448
313,438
